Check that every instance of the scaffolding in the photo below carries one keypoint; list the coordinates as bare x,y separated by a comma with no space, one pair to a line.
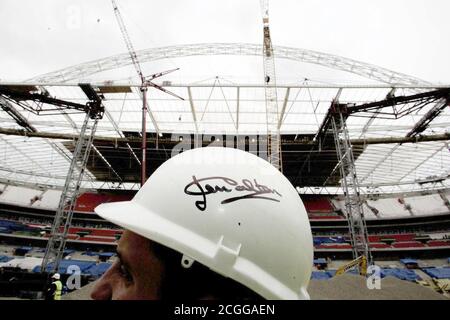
273,130
63,217
349,181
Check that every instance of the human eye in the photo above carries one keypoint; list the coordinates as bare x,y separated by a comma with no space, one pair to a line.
124,273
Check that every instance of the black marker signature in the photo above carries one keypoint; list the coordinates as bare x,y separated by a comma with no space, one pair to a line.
227,185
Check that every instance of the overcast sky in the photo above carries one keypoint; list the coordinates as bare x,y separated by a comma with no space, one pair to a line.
408,36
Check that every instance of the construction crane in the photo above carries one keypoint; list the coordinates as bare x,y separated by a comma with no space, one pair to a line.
272,117
145,83
360,262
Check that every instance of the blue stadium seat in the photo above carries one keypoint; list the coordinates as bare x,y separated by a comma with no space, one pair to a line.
438,273
99,269
408,261
4,259
402,274
107,254
323,275
65,264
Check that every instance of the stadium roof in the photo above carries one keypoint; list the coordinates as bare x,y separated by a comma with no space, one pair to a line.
397,142
38,142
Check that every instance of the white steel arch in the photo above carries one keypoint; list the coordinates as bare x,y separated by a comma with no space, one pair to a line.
365,70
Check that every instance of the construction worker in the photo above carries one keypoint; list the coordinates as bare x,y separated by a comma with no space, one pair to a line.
55,289
210,223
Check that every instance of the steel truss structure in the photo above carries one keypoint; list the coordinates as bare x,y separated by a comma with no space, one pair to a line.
232,110
63,217
365,70
38,101
350,186
304,107
272,114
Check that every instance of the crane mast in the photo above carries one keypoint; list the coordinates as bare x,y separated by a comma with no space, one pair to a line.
272,116
128,42
145,83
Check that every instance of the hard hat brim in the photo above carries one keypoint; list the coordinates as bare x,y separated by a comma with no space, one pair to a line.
134,217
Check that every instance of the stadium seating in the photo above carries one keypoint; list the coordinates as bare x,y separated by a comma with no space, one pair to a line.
408,244
19,195
100,254
98,239
318,205
325,217
320,263
388,208
7,226
88,201
21,251
4,259
403,274
65,264
99,269
399,237
375,245
427,204
320,240
335,246
438,273
322,275
438,243
28,263
48,200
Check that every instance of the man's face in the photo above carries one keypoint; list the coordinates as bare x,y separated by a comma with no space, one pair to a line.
136,275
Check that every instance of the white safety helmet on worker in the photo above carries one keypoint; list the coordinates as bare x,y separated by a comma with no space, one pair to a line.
56,276
230,211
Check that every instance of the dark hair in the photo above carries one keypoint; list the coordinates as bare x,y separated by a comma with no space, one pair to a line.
196,282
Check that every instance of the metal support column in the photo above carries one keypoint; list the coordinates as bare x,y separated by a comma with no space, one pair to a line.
353,203
63,217
144,90
273,132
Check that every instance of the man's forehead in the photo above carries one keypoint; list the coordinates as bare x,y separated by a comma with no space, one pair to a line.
131,242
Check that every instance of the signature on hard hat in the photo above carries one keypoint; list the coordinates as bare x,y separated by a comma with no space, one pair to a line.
224,184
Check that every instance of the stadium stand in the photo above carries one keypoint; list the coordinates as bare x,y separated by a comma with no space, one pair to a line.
99,254
438,243
87,202
97,239
320,240
379,245
402,274
426,204
65,264
27,263
410,263
320,263
98,270
21,251
4,259
20,195
408,244
387,208
48,200
322,275
338,246
438,273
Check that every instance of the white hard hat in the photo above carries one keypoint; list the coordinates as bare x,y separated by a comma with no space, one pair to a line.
230,211
56,276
